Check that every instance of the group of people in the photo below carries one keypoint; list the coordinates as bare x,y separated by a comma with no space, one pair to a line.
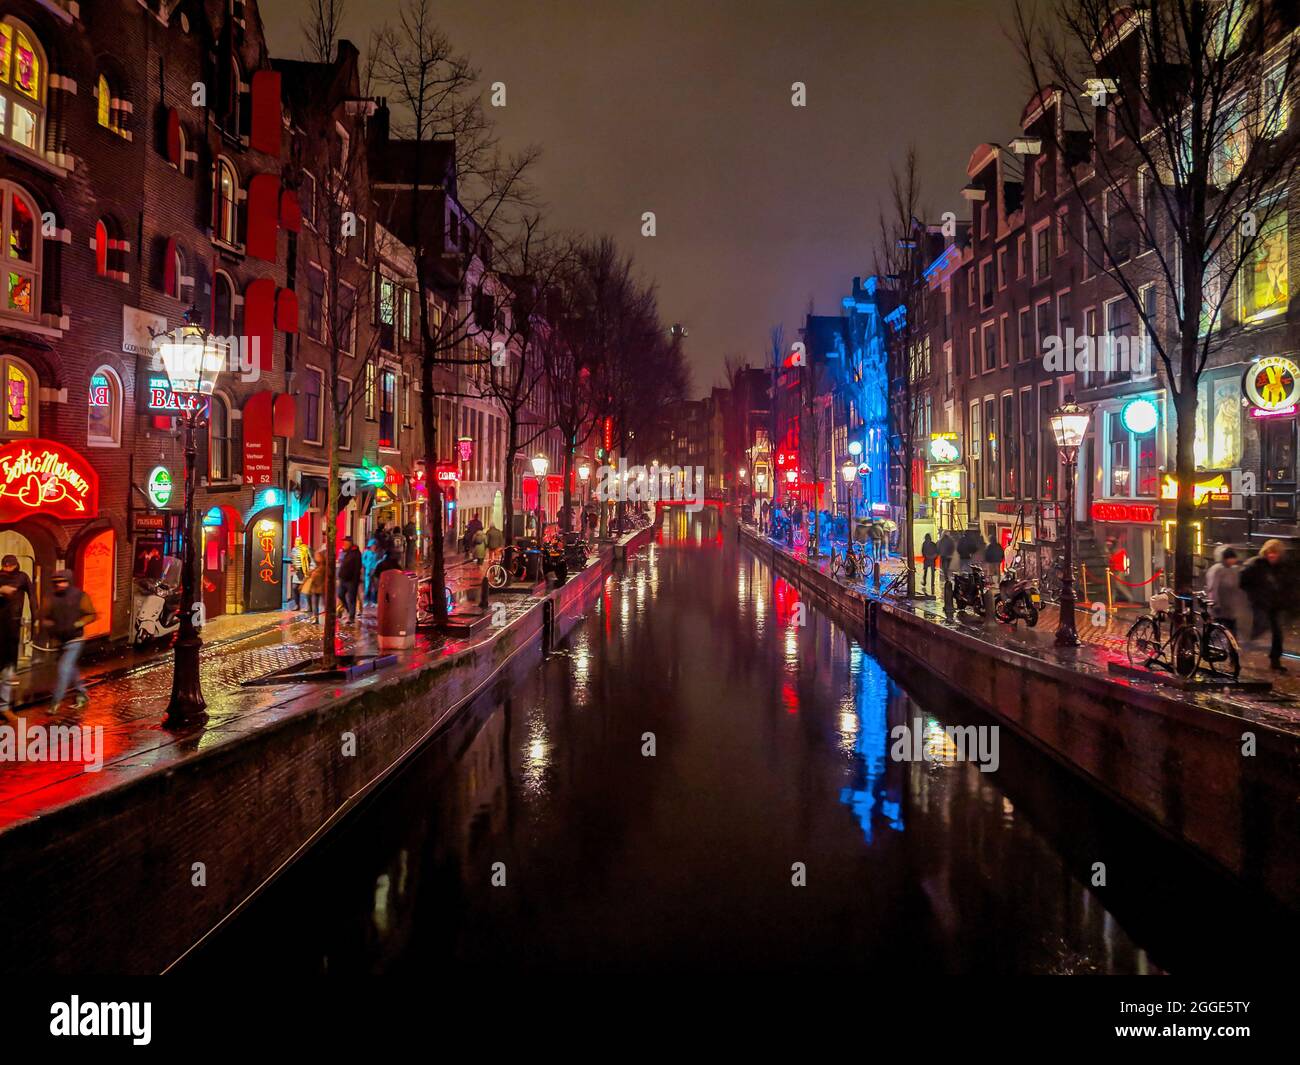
968,547
356,574
1250,597
477,541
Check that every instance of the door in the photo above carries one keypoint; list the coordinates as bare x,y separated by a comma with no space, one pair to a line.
16,544
1277,454
214,569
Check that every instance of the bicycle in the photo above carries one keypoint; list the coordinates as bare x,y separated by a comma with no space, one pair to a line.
511,566
1192,641
851,565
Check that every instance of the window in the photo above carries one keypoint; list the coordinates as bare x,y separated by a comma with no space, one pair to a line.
990,339
307,199
386,308
104,410
1131,470
1119,335
1004,344
223,305
974,351
1119,223
347,317
343,404
1020,255
388,407
22,86
1043,250
234,98
990,448
1275,108
1010,459
22,258
1064,316
970,287
218,439
406,314
1028,444
1040,169
973,438
315,302
1051,460
1002,268
1026,335
372,401
1218,441
22,415
1264,271
986,284
101,248
1043,324
225,214
1091,249
174,275
1062,230
984,220
1092,375
309,405
1229,156
108,108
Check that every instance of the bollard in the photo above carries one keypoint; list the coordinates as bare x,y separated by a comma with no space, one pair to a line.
484,591
875,572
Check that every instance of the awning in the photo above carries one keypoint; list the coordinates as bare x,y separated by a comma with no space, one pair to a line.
312,491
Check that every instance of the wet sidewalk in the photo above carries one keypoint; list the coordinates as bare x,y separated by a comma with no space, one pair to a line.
1103,635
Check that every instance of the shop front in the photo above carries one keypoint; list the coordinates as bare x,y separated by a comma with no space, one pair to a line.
264,570
1129,538
1271,387
46,490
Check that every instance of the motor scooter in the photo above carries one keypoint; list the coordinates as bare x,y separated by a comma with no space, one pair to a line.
1017,598
158,603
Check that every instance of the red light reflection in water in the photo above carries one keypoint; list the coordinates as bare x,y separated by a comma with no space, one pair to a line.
790,697
784,596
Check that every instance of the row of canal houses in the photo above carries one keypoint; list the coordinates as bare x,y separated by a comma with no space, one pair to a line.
995,287
156,160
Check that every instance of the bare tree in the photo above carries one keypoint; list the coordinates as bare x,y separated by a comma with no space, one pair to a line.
1174,124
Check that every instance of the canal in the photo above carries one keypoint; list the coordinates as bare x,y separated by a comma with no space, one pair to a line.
700,777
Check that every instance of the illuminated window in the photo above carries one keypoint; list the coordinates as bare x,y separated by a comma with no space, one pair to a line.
22,86
104,410
1264,271
20,397
1275,109
1217,445
388,408
22,252
225,213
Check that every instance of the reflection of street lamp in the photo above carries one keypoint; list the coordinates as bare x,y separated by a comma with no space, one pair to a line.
1069,425
193,359
540,465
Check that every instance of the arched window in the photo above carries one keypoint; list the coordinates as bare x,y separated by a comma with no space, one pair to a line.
21,240
22,86
225,213
22,414
233,100
174,272
104,412
218,440
223,305
101,248
104,108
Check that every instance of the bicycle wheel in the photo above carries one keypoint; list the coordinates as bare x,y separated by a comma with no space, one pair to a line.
496,576
1143,642
1219,651
1185,651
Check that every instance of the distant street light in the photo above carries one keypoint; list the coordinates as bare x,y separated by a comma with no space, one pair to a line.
193,360
1070,426
540,465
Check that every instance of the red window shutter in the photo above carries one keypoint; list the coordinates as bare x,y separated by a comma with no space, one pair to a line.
267,126
174,138
263,216
259,322
286,310
290,211
171,283
285,415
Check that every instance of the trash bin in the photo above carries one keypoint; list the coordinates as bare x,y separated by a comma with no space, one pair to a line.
397,603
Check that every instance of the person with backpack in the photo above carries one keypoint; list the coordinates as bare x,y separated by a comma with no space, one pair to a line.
66,612
929,556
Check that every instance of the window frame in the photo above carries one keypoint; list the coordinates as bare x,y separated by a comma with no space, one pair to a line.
14,97
9,191
116,391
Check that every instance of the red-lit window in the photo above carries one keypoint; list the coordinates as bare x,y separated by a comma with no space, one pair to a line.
225,203
101,248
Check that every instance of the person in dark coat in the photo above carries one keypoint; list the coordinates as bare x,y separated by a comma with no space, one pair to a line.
15,593
994,556
350,578
929,557
947,548
1263,582
65,613
966,548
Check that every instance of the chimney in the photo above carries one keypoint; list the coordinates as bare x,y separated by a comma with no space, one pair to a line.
379,121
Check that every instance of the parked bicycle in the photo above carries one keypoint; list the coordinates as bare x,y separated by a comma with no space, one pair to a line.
851,564
512,566
1184,641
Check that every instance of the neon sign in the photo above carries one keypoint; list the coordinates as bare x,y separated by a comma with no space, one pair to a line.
1138,512
159,488
1216,488
44,477
1272,385
945,448
163,400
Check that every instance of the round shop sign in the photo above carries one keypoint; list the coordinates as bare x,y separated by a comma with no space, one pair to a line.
1272,384
160,486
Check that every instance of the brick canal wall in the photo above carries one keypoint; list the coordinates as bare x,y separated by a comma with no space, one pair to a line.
106,884
1175,763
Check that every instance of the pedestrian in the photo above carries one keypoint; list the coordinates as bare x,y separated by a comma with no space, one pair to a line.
390,561
1262,581
765,516
15,593
495,540
965,550
471,528
301,568
350,577
1228,603
877,541
370,558
479,547
409,543
947,547
64,616
929,556
314,586
994,556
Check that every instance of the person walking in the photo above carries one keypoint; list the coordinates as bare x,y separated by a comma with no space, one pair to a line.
877,541
495,540
994,556
1228,603
314,586
370,558
350,578
929,557
1262,581
15,593
66,612
947,547
479,547
301,568
966,548
471,527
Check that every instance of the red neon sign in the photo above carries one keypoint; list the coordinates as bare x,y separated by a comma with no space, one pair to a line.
1138,512
447,473
45,477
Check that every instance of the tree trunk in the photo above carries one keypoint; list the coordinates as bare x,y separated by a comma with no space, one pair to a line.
330,633
566,519
1185,465
437,565
508,479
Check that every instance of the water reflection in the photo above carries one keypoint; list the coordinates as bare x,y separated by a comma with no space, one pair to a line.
538,834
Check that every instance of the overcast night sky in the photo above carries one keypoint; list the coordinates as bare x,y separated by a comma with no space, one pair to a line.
682,107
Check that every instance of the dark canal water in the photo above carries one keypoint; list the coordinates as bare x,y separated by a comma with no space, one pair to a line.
772,744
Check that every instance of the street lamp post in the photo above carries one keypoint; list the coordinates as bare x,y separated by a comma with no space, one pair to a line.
584,472
849,471
192,359
1069,425
540,465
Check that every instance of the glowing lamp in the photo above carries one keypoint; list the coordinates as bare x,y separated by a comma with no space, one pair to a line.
741,473
1140,416
1069,425
192,358
855,448
849,471
540,465
584,471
